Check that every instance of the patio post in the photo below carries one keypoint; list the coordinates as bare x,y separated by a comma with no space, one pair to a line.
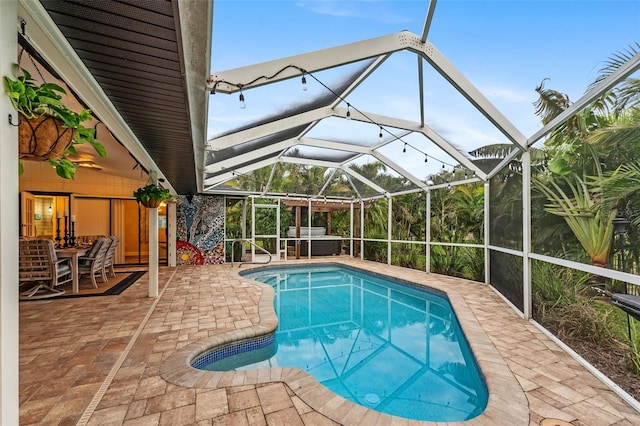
526,233
428,232
309,214
9,366
389,225
361,229
351,228
172,234
487,227
153,244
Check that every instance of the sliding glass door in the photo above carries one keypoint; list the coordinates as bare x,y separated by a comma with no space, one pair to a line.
58,216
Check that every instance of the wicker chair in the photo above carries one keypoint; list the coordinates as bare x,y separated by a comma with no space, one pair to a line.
108,261
93,262
41,270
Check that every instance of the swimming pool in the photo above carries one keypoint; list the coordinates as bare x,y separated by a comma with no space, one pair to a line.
385,345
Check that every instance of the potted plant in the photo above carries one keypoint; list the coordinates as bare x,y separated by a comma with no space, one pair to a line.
48,130
151,195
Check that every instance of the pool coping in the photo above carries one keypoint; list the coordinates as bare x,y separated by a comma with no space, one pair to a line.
507,402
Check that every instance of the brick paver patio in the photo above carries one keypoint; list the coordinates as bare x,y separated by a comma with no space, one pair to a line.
106,360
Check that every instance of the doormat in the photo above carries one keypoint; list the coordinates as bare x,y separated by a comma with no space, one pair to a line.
118,287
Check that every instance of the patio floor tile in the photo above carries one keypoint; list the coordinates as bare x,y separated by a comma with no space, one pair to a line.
62,368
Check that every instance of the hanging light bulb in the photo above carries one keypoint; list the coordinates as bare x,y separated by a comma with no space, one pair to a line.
242,104
442,166
348,112
50,209
304,83
404,149
380,135
426,158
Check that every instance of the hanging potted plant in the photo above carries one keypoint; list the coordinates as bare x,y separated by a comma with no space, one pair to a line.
47,129
152,195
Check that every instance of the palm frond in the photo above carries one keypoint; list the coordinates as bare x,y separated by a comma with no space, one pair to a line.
498,150
550,103
615,62
622,183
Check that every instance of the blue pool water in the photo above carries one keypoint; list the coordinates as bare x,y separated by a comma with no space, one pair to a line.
385,345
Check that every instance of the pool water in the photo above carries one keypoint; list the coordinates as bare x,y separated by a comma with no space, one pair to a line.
386,345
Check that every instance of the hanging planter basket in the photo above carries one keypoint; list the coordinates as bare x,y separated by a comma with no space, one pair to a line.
43,138
151,195
151,204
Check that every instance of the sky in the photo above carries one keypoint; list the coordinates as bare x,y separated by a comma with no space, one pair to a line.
504,48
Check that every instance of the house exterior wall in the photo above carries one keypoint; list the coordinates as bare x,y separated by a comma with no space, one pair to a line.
41,176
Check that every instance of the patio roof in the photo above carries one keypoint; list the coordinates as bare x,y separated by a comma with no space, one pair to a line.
141,68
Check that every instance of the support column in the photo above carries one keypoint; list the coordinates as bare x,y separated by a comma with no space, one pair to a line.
309,213
244,221
172,234
351,228
428,232
298,220
361,230
153,244
526,233
253,229
9,411
153,252
487,236
389,224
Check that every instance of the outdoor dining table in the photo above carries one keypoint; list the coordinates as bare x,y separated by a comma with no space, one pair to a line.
73,253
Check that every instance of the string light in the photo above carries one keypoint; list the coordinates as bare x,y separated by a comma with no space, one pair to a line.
426,156
338,96
243,105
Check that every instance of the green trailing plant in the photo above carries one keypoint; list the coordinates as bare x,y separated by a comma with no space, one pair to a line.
151,195
32,101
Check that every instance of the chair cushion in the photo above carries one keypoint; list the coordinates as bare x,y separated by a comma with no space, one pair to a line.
95,247
63,269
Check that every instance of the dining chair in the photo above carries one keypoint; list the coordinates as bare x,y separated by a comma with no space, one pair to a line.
93,262
40,267
108,261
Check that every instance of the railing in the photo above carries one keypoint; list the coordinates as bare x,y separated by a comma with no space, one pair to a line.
242,241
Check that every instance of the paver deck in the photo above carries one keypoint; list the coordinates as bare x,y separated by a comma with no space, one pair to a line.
120,360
